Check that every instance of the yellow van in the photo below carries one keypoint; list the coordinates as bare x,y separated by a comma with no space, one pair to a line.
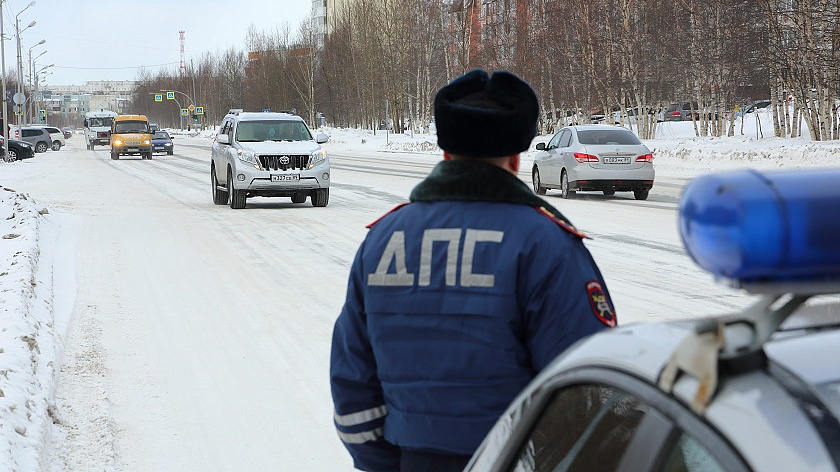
131,136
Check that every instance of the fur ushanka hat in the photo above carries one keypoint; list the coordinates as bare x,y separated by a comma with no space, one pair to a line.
483,115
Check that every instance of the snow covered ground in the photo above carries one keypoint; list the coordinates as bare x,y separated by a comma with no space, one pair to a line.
38,285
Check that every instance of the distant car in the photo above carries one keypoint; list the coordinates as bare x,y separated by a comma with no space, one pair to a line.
17,150
630,115
752,107
752,391
68,133
602,158
37,136
57,136
162,142
682,111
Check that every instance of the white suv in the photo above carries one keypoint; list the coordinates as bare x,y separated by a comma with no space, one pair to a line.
268,155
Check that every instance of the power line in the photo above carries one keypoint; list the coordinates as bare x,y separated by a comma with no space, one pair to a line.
115,68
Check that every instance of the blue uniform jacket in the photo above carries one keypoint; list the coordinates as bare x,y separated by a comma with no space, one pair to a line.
454,303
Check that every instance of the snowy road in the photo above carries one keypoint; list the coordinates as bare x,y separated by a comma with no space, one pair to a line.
200,335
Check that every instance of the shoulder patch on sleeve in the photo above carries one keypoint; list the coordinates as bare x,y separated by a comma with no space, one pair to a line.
599,303
561,223
370,225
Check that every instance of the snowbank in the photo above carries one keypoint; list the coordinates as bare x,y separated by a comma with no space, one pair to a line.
28,342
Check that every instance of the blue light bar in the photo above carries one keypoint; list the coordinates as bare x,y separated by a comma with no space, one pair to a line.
762,227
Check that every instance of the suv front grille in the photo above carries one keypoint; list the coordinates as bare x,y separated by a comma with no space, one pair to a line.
284,162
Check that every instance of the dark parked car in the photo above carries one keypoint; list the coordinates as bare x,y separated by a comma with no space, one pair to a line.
682,111
757,390
752,107
18,149
162,142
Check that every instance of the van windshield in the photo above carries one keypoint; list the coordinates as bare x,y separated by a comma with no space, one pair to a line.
272,130
104,121
131,127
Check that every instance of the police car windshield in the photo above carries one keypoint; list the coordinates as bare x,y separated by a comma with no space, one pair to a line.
272,130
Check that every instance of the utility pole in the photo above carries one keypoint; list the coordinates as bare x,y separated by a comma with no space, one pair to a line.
3,71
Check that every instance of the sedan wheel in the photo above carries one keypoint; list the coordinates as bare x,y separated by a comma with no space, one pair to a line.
641,193
609,192
535,178
565,191
11,156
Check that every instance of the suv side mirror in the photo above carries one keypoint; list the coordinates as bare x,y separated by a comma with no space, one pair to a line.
223,139
321,138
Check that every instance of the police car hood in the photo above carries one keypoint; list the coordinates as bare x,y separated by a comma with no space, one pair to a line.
280,147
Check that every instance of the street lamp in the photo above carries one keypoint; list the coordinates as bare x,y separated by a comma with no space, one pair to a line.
29,107
19,54
180,116
37,81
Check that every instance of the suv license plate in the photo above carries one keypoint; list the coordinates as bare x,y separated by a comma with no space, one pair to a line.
285,177
616,160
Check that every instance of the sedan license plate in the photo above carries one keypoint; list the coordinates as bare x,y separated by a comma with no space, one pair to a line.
285,177
616,160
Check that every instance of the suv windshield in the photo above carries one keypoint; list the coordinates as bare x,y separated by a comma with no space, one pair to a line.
607,136
131,127
272,130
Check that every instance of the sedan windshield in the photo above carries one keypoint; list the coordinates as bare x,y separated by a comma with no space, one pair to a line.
161,135
607,136
272,130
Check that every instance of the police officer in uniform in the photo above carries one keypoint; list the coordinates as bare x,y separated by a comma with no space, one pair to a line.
456,300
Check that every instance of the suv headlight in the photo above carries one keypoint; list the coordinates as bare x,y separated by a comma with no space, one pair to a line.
249,157
316,158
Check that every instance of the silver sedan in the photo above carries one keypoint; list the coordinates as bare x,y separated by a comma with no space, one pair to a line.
593,157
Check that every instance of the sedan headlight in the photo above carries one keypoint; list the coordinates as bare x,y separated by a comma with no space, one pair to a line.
249,157
316,158
167,144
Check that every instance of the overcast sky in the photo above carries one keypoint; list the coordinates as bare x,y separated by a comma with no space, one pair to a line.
114,39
